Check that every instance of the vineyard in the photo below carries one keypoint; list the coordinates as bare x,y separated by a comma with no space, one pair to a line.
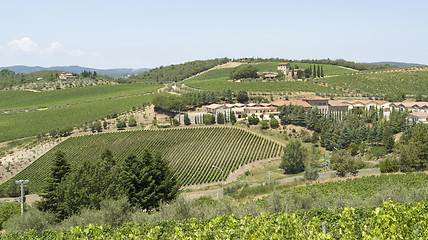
220,84
389,221
10,100
191,152
412,82
24,124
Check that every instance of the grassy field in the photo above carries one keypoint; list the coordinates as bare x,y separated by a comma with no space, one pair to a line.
220,84
10,100
18,125
385,83
190,151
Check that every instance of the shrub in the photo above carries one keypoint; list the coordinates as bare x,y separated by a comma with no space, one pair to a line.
389,166
311,173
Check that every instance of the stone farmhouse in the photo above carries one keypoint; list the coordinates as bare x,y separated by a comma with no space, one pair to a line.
66,76
285,68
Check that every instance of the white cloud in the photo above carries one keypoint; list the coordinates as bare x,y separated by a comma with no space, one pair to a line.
28,46
24,44
55,46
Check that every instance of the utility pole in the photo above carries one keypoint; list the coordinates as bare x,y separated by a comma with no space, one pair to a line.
22,198
222,180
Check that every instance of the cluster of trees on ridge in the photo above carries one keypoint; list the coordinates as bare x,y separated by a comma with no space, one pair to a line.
175,73
9,78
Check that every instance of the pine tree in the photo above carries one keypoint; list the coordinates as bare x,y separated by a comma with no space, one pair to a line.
59,170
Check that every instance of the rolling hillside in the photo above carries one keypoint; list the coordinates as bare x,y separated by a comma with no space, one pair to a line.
191,152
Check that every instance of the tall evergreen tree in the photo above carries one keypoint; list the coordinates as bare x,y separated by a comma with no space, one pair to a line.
318,71
315,72
232,117
59,170
322,71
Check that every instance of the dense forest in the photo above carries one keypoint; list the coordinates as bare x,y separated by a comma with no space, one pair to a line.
175,73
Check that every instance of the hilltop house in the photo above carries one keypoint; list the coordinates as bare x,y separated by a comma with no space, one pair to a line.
285,68
66,76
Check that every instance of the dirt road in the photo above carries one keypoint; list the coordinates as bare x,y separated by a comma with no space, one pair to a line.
322,176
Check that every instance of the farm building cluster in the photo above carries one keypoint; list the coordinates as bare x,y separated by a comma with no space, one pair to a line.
419,110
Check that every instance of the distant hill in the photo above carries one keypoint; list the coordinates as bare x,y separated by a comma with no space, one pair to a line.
398,64
115,72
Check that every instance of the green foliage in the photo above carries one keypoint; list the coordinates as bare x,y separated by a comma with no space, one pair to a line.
7,210
132,122
389,166
244,71
232,117
293,160
208,119
220,118
168,102
96,127
414,152
264,124
190,152
60,168
176,73
274,123
311,173
388,221
33,221
343,163
377,152
242,96
186,119
121,125
253,119
148,181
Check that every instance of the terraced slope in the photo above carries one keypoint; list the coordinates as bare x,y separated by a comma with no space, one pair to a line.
190,151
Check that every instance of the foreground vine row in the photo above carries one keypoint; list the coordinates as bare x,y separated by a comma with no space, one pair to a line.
389,221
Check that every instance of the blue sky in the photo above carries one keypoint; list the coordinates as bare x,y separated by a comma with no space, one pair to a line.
110,34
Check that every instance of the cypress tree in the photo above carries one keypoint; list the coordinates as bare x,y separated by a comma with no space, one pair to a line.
318,71
315,72
322,71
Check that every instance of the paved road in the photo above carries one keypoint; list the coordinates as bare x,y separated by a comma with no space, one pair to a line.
322,176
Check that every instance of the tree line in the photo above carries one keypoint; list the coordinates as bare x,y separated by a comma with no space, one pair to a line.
175,73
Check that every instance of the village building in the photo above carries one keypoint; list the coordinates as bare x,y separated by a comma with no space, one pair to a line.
268,75
318,102
410,106
418,117
285,68
66,76
337,106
